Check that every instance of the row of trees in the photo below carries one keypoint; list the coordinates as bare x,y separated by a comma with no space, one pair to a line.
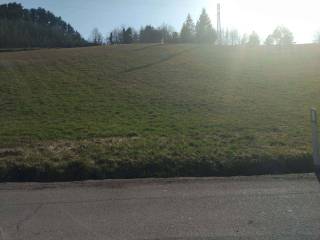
281,36
20,27
200,32
147,34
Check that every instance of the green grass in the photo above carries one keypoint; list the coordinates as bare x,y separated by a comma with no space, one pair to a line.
156,111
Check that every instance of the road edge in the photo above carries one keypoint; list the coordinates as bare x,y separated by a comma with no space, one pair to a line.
118,183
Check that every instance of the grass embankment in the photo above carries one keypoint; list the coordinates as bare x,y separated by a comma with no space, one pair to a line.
156,111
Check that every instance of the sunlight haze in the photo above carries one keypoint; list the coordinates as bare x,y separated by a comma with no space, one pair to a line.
301,18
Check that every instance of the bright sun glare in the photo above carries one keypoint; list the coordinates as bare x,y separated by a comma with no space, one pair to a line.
263,16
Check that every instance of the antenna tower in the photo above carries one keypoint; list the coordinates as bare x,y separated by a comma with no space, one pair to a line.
219,30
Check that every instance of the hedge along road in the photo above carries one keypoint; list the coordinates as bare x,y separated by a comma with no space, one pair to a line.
266,207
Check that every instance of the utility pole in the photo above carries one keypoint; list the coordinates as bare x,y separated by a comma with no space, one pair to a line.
219,30
315,141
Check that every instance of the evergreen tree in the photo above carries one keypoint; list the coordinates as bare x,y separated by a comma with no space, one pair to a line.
205,33
188,30
111,38
122,36
149,34
21,28
127,35
254,39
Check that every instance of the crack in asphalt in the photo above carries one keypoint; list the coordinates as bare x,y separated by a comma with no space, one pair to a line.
165,212
81,224
28,217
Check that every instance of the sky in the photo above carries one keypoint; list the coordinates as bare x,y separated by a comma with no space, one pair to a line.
262,16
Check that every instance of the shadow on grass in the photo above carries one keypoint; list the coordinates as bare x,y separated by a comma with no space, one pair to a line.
165,59
18,49
147,47
76,170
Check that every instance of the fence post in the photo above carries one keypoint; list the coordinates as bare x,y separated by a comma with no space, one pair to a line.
315,141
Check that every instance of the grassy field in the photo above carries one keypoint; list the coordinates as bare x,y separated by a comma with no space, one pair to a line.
156,111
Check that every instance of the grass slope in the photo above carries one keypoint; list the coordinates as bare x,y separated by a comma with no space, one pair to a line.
156,110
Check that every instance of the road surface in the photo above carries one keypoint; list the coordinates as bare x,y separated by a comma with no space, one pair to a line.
278,207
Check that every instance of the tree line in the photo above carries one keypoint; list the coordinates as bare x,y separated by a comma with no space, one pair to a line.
200,32
20,27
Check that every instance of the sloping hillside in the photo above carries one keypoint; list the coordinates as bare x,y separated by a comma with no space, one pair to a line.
156,110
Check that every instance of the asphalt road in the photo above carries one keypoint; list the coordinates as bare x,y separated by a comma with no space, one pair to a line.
279,207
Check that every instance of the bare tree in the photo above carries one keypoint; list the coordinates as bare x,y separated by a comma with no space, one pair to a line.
235,37
169,34
96,37
225,37
317,38
116,36
230,37
136,37
244,39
